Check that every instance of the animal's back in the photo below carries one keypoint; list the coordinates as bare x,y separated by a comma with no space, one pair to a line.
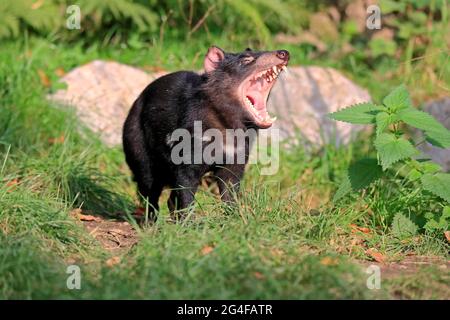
167,99
154,115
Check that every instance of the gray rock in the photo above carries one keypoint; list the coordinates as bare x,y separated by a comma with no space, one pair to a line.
102,93
302,99
439,109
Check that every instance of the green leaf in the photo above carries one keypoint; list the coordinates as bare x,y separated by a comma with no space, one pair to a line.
438,222
350,28
360,175
446,212
430,167
383,120
438,184
343,189
436,133
392,149
403,227
432,225
363,172
398,99
414,175
389,6
419,119
439,138
363,113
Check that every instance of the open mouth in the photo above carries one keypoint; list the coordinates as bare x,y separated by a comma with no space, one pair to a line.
255,92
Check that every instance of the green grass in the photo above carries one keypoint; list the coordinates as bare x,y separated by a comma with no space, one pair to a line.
284,239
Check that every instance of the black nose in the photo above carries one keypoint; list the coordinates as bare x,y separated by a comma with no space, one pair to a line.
283,54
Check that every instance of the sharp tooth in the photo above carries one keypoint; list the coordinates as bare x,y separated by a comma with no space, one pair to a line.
274,68
268,118
284,68
249,103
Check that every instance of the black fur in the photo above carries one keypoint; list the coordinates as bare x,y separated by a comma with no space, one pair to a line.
175,101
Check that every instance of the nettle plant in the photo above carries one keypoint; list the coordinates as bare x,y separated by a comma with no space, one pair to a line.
398,165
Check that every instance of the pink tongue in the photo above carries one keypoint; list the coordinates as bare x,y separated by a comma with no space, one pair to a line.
256,98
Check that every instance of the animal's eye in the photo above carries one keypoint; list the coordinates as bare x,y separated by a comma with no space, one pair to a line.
248,59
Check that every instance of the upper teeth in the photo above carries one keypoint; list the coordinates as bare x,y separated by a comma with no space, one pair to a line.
272,73
269,75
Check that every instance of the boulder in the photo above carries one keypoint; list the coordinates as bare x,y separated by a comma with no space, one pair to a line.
302,98
102,93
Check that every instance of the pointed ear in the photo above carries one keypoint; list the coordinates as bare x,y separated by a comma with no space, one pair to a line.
214,56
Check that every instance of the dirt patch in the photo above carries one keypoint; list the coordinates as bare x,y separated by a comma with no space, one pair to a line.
412,264
409,265
114,236
415,277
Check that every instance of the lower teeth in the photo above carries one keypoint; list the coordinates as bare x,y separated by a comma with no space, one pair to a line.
267,118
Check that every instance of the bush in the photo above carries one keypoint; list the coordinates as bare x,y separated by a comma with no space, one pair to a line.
120,18
397,165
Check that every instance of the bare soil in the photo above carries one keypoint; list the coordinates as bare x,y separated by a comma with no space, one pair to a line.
115,236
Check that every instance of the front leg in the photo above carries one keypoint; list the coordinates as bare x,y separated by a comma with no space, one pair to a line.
229,179
187,180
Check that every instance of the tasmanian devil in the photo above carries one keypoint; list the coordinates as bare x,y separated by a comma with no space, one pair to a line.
231,94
